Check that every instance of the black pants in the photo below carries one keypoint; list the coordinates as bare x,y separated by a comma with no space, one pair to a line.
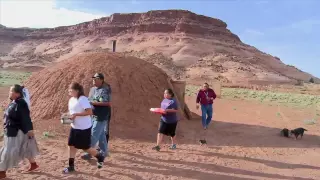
168,129
107,134
108,127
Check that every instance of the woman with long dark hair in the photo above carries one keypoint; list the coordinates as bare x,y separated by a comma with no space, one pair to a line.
19,140
169,120
80,111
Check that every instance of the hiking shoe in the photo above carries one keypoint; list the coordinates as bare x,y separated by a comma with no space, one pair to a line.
68,170
157,148
86,157
173,147
100,165
100,158
3,174
33,167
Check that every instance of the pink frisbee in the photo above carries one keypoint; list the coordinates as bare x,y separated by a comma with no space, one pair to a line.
157,110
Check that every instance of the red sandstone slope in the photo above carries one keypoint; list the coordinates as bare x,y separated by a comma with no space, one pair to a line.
184,44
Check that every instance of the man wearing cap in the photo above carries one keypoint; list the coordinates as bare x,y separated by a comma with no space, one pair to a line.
100,97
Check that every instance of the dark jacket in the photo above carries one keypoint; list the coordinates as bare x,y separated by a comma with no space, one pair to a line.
101,94
17,117
202,96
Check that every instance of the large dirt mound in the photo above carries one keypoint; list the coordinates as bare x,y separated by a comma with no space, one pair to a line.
136,86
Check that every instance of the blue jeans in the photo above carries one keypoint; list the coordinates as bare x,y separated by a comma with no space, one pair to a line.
207,111
98,133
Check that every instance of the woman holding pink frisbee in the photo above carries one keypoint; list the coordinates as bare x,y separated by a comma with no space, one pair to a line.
169,119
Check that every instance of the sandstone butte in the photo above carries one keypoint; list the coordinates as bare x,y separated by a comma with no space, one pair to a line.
187,46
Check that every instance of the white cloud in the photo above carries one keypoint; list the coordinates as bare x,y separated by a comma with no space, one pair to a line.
40,14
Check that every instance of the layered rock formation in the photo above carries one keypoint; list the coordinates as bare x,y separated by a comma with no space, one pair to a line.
184,44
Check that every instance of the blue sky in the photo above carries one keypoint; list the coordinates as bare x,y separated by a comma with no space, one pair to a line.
284,28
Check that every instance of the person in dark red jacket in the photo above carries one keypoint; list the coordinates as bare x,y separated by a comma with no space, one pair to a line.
205,98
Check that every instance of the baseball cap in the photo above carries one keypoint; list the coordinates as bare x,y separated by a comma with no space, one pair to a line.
98,75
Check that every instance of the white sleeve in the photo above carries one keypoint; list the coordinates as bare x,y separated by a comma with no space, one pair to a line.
84,102
69,102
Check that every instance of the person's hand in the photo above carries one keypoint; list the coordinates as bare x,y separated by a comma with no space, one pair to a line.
30,134
73,117
197,106
93,102
164,111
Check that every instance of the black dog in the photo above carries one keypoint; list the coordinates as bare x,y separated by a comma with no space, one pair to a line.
297,132
202,142
284,132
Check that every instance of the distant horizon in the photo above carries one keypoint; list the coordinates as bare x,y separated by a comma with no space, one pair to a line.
273,27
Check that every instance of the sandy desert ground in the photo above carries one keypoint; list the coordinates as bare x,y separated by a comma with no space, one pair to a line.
244,139
243,143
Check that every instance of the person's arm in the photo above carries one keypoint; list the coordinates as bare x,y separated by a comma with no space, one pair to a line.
87,112
198,97
214,95
101,103
106,97
171,110
91,92
85,104
24,116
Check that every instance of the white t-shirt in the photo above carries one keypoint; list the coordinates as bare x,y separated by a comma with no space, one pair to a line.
78,106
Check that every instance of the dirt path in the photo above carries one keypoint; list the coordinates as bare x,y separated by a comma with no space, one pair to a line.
243,143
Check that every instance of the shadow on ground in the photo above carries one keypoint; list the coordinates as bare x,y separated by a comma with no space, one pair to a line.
221,133
185,169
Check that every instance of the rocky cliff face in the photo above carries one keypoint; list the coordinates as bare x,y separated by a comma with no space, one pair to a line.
171,21
186,45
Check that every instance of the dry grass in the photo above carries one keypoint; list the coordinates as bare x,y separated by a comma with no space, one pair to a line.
271,96
8,78
306,88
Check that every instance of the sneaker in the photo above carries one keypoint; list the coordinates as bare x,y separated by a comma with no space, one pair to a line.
173,147
86,157
100,165
68,170
33,167
157,148
100,158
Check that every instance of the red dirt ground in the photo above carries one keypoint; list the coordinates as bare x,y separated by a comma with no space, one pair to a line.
242,144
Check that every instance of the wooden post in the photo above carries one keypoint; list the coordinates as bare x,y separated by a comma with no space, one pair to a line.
182,106
114,43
